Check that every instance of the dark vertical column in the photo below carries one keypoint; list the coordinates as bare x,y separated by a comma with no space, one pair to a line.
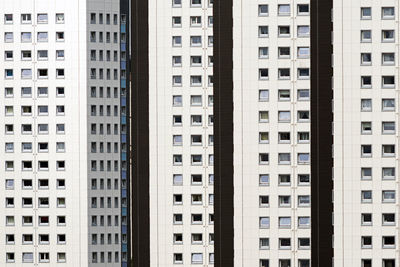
321,134
140,134
125,134
223,133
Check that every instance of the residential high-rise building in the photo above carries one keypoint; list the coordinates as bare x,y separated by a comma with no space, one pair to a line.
64,133
181,156
366,135
259,74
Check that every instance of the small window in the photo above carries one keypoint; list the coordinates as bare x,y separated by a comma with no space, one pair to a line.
264,179
264,201
8,37
388,150
195,61
26,37
195,80
304,222
60,18
366,82
263,10
284,243
388,242
195,40
366,219
176,41
366,59
366,173
263,52
42,18
284,201
303,94
366,36
303,73
303,52
283,31
284,116
177,61
366,104
263,137
284,74
284,52
283,10
366,151
178,257
263,95
388,104
284,158
388,173
284,95
366,242
388,219
177,80
195,3
303,116
263,116
388,59
264,222
366,127
60,36
263,74
8,18
176,21
42,37
304,243
26,18
387,12
388,82
263,31
366,196
195,21
42,54
9,73
304,201
388,36
303,158
303,31
366,13
263,158
303,9
304,179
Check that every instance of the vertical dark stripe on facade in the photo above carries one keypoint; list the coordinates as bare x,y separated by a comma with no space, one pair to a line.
125,134
321,133
140,135
223,133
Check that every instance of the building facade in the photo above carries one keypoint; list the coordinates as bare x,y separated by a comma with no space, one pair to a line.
366,95
64,133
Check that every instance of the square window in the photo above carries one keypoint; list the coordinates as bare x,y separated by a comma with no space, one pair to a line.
388,36
264,179
366,104
263,52
366,196
284,10
366,82
387,12
366,127
366,13
263,31
263,10
366,59
366,36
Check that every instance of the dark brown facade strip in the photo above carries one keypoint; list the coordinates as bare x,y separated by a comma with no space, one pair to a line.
223,134
140,239
321,134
